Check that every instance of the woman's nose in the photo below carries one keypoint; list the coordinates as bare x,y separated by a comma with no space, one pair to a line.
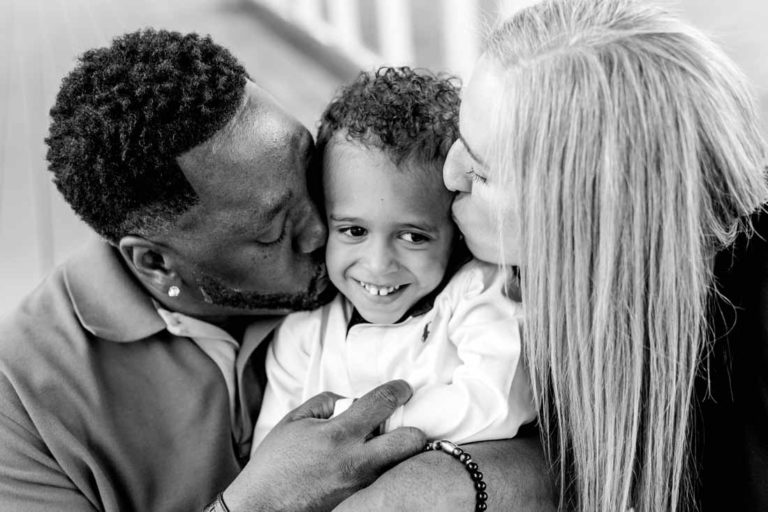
456,180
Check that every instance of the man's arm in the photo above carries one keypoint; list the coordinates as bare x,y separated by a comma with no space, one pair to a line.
31,480
311,463
514,470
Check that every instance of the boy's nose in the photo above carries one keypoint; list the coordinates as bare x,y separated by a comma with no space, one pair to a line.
381,259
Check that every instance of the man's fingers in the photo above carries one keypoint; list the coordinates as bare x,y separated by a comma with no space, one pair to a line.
319,406
390,448
370,410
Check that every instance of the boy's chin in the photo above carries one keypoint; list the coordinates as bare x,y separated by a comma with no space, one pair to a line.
374,316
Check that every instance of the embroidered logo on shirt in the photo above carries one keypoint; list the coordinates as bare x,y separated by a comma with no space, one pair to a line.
425,334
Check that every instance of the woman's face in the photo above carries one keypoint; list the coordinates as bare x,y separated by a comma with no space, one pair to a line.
482,197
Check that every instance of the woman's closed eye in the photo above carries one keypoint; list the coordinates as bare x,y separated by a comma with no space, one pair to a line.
474,176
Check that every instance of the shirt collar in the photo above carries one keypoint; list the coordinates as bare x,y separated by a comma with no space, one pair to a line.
180,324
107,300
112,305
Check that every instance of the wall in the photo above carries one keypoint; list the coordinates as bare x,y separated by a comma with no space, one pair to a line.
39,40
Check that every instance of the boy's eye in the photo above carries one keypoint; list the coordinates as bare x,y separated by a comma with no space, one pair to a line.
353,231
414,238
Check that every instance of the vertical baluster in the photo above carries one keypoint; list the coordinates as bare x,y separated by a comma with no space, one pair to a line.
461,35
344,16
280,7
308,15
395,32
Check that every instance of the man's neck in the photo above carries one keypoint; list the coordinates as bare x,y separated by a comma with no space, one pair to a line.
234,325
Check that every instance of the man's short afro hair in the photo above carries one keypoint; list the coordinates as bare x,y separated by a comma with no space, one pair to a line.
412,115
125,113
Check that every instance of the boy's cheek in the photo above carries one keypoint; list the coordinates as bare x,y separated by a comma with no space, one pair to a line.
334,260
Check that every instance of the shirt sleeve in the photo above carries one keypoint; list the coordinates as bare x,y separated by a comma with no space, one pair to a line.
489,396
30,478
287,363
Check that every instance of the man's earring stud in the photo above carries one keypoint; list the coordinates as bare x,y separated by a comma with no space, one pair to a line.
174,291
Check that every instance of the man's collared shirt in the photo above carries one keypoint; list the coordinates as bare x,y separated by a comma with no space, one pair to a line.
102,407
224,350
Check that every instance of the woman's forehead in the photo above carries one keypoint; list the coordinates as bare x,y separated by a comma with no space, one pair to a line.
480,102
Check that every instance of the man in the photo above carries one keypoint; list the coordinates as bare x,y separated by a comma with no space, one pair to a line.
123,381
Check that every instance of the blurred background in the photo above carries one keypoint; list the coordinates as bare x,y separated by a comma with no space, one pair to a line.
299,50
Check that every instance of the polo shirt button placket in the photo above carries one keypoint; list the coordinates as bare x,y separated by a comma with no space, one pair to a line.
242,452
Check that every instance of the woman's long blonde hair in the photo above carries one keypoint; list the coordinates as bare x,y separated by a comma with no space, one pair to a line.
630,145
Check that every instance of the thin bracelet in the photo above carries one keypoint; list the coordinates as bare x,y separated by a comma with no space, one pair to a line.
477,477
217,505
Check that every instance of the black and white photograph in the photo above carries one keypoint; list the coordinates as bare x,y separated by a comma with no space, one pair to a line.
383,256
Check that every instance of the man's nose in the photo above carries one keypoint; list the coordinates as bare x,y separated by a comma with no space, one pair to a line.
313,233
456,180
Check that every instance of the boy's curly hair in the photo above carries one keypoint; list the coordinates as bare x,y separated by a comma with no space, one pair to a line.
125,113
411,115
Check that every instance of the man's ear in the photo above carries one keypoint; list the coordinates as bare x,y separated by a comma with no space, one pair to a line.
149,261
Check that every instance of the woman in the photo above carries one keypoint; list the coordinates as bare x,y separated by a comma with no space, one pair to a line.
610,151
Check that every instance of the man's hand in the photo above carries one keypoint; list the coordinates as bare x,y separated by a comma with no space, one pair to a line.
309,462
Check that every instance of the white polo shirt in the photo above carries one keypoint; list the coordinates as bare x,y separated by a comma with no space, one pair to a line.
462,359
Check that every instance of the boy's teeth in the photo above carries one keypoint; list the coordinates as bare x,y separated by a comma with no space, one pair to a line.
378,290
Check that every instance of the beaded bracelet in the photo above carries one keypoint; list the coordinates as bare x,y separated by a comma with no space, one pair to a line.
477,477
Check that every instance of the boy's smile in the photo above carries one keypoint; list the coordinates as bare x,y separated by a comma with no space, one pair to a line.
390,230
382,290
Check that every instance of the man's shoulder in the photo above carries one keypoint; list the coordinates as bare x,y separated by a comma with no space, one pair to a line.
33,337
45,312
46,329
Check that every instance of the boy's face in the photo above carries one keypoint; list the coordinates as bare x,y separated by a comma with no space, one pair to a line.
389,230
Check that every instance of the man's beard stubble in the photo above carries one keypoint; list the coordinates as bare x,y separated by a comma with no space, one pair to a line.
319,292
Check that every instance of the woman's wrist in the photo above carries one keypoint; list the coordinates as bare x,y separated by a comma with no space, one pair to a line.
481,494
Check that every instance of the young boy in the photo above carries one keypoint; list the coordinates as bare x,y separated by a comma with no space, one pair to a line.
405,309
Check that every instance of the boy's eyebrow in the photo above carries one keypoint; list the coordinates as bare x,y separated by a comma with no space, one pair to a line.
421,227
471,152
408,225
336,218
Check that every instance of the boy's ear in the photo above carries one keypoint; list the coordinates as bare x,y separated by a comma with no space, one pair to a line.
150,261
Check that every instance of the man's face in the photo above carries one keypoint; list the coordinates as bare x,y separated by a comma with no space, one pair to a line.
251,243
